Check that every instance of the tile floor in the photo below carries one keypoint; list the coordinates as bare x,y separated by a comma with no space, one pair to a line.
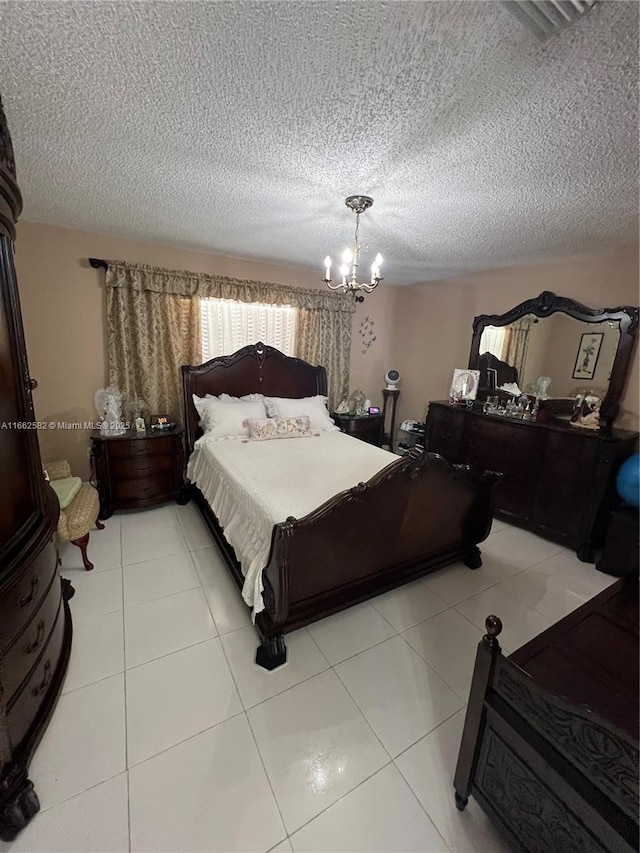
168,737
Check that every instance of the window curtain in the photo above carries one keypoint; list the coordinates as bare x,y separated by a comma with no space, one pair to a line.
516,344
149,337
154,327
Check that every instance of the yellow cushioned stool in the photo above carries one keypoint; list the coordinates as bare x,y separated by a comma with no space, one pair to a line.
79,507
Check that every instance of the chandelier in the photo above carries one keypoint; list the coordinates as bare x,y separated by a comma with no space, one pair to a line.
351,257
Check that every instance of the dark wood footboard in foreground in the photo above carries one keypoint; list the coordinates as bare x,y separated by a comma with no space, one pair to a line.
550,742
418,514
413,517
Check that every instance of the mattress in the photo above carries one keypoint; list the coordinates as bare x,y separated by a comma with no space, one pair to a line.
252,485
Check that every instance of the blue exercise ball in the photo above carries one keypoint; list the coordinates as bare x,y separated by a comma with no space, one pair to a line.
628,480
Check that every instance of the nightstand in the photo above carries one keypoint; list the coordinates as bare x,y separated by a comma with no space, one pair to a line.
138,470
367,428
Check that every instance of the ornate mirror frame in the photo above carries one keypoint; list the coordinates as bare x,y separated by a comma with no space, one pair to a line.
548,303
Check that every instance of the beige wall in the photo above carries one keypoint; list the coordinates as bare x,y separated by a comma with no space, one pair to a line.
63,308
433,322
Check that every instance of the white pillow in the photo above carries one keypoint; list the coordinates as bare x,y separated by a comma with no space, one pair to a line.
314,407
201,403
223,419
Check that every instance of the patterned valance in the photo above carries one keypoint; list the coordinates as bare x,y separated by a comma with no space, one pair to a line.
187,284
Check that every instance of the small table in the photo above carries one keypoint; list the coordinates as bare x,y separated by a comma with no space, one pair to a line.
367,428
137,470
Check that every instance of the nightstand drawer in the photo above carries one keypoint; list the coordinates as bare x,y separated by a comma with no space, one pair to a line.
134,468
136,447
144,488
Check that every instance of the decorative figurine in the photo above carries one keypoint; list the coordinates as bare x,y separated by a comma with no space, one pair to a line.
108,402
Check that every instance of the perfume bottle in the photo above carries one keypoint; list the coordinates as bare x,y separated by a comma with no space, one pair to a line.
534,410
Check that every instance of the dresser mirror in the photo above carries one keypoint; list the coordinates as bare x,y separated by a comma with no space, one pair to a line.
555,348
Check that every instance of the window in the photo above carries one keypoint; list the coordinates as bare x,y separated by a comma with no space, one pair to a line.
228,325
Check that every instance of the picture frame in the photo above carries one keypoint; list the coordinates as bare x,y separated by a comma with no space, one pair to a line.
587,355
464,385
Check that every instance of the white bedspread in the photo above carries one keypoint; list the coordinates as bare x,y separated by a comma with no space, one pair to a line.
252,485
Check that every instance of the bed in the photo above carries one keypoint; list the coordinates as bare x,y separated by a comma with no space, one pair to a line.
550,742
414,516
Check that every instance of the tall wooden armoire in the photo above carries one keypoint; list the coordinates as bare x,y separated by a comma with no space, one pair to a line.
35,623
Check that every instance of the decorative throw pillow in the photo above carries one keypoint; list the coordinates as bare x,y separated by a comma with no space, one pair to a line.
263,429
223,419
314,407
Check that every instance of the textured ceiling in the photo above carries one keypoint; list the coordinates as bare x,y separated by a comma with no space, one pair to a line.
240,127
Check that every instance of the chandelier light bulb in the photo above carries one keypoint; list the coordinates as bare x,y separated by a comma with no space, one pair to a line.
351,257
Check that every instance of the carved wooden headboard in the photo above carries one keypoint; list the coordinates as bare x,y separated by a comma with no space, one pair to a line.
257,368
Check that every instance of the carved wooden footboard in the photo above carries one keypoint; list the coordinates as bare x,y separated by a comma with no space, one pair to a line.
413,517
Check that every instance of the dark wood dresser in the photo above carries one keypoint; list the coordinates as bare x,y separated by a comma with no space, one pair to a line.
369,428
559,480
550,742
35,623
138,470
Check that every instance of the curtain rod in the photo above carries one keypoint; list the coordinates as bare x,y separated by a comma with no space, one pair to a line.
98,263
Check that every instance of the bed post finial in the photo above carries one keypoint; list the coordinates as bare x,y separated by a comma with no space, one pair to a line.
493,624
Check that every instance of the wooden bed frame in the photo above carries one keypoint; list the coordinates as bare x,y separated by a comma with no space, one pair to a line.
413,517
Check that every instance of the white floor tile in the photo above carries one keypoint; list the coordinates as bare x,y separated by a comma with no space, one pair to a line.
146,519
156,578
498,524
84,743
171,699
316,746
448,643
400,696
96,593
518,548
283,847
555,590
207,794
408,605
380,816
429,767
223,596
96,821
519,623
97,650
166,625
139,546
195,532
256,684
103,551
345,634
458,582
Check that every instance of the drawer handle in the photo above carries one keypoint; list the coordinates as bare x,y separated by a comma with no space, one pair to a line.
145,488
143,470
27,599
46,681
30,648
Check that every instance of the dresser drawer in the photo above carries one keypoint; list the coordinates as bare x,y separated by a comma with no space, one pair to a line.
23,598
23,707
26,647
141,447
144,488
135,468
